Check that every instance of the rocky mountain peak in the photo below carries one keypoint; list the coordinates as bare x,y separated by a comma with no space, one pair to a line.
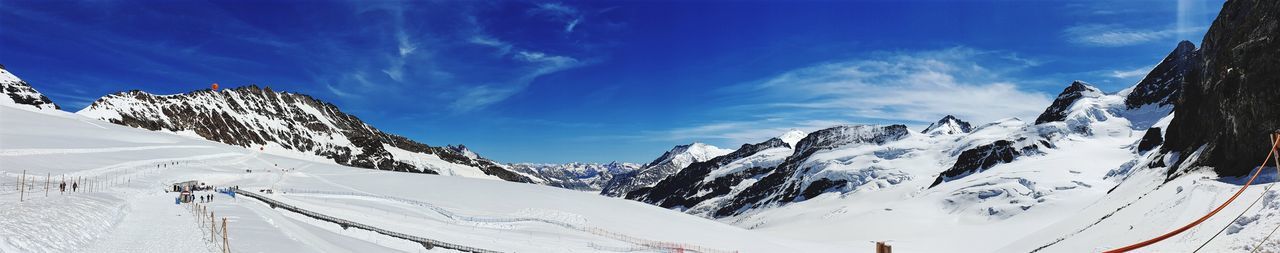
948,125
1163,85
1057,111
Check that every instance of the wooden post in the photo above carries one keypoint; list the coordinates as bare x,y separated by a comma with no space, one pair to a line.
46,184
881,247
226,246
22,185
213,228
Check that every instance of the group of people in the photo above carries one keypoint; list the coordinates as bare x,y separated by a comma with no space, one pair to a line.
62,187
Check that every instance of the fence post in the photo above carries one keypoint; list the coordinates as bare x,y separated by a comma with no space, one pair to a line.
46,184
213,228
22,187
226,246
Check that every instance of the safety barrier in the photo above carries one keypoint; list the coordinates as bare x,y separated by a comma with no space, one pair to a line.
216,231
646,244
426,242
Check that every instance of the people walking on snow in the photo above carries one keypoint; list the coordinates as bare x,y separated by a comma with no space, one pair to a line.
62,187
74,186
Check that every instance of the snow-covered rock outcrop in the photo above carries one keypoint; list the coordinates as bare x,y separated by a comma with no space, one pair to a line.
18,93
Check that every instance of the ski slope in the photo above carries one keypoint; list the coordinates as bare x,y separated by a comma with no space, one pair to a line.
129,211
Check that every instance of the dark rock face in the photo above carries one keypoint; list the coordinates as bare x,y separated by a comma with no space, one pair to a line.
1150,140
687,187
1232,102
1163,85
22,93
980,158
253,117
779,186
1062,105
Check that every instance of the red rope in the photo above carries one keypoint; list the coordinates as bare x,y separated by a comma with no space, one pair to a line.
1274,142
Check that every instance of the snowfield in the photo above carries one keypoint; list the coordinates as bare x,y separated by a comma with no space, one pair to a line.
129,211
1054,202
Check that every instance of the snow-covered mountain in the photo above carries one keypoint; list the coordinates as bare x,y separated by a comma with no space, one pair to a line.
576,176
867,158
289,124
18,92
669,163
702,186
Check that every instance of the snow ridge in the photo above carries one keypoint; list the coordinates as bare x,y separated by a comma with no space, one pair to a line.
289,124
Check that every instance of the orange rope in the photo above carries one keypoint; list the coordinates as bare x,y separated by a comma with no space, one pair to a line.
1274,142
1273,231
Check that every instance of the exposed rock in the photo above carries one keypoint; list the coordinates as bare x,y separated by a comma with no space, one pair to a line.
983,157
1150,140
1232,103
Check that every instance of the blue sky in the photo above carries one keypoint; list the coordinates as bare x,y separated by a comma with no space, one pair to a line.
598,81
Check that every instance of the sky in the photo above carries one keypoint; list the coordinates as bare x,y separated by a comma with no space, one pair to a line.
601,81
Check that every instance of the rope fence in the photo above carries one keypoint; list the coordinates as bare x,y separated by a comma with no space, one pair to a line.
213,228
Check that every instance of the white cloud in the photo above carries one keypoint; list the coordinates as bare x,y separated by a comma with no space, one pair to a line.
1099,35
886,88
729,134
905,87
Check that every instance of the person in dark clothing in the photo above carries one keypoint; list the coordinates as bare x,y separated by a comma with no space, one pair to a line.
74,186
62,187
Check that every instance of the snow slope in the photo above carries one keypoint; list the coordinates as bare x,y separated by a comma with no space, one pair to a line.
130,212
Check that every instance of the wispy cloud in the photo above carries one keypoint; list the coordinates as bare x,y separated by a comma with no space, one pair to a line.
1111,35
501,47
559,12
540,64
1125,74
